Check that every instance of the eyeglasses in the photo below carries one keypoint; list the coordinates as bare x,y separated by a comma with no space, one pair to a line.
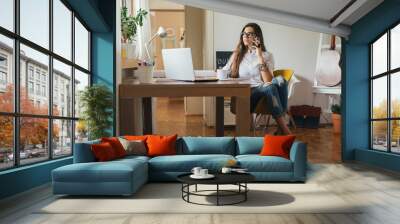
250,34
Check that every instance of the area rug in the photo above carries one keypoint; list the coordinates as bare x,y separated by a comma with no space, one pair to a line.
166,198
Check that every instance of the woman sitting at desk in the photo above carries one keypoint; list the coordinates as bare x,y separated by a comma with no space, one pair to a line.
251,60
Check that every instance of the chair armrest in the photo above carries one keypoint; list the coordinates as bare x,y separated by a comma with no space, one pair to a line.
83,152
298,155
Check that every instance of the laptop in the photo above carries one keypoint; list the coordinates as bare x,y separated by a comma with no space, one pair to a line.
178,65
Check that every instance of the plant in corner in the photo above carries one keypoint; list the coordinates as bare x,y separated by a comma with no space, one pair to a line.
96,103
336,118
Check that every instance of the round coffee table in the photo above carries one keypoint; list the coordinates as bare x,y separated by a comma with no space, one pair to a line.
238,179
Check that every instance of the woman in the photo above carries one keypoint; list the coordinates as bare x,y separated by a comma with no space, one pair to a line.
251,60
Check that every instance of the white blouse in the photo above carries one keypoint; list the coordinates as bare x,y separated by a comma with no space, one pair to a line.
249,67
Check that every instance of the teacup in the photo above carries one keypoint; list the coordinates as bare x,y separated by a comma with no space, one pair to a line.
196,171
222,74
203,172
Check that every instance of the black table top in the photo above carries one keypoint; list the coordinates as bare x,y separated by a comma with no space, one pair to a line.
220,178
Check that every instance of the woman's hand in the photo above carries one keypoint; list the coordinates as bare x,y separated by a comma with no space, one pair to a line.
257,45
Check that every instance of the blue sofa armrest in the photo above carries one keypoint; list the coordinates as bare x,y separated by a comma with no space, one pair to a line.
83,152
298,155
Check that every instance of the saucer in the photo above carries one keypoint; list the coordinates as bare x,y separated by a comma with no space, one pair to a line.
208,176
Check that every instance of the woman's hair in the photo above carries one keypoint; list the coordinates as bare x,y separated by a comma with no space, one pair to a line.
241,49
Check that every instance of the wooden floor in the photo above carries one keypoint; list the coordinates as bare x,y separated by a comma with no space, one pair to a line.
377,190
323,145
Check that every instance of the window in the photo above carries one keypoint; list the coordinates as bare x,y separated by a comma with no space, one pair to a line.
81,45
3,78
81,81
38,89
385,96
62,74
30,88
45,131
7,14
30,72
6,74
44,91
35,21
6,142
3,61
62,137
37,74
62,29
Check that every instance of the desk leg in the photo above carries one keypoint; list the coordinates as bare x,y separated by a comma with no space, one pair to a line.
242,116
147,116
219,116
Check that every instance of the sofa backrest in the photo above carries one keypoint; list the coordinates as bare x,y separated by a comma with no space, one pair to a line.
190,146
249,145
206,145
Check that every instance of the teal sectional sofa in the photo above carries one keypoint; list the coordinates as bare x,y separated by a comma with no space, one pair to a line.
125,176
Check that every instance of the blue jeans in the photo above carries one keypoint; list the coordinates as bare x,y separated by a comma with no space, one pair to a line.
276,94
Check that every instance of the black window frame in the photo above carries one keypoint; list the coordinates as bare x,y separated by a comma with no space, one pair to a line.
388,74
16,115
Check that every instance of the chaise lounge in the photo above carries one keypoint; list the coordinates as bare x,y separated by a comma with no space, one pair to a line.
125,176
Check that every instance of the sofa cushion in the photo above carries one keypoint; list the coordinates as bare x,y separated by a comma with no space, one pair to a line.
103,152
134,147
257,163
208,145
277,145
249,145
111,171
135,137
116,145
185,163
161,145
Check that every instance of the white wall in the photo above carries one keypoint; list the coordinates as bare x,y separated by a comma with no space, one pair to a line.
292,48
161,4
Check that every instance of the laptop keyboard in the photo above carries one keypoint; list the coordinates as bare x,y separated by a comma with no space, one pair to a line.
204,73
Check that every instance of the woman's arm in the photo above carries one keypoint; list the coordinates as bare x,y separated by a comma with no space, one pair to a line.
265,71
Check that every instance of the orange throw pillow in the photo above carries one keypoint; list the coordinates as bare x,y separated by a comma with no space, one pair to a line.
103,152
161,145
135,137
116,145
277,145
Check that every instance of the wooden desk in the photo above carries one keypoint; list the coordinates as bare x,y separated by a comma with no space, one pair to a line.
171,88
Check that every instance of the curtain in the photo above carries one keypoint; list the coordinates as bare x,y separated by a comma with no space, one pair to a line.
144,32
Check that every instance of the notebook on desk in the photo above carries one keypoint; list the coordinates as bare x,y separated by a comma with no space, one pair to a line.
178,65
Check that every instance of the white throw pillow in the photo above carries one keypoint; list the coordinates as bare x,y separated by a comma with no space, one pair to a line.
134,147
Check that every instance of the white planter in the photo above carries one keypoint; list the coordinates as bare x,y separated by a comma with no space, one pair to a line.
129,49
144,74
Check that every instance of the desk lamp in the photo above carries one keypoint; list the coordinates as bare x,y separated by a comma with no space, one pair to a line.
161,32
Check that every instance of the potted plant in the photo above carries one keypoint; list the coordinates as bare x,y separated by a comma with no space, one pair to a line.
129,25
336,118
96,103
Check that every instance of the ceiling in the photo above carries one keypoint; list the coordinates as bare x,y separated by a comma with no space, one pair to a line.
314,15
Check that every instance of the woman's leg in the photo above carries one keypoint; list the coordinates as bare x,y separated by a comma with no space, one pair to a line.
282,125
282,87
275,106
256,95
